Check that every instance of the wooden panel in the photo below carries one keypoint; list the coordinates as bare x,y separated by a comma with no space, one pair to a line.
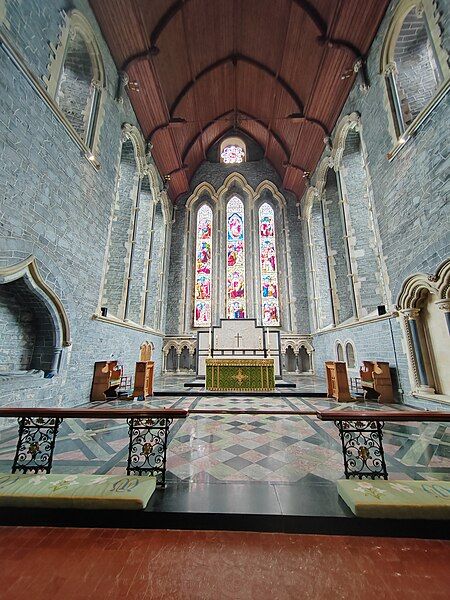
281,35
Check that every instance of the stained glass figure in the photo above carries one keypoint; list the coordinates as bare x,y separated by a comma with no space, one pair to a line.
203,268
236,293
232,154
269,271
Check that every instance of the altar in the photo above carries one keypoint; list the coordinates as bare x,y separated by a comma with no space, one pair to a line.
239,355
240,375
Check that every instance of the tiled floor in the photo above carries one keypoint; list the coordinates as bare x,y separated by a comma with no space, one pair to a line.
212,448
79,564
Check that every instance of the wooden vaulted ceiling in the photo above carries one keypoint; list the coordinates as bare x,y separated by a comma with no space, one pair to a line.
206,67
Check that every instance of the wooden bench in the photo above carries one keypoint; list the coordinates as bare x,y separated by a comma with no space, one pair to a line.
148,430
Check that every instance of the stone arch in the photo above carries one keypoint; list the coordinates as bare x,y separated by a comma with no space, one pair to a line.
364,252
415,21
305,359
24,293
424,306
76,78
121,245
339,347
350,354
204,194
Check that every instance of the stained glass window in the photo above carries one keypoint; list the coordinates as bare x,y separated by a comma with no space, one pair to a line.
269,270
203,268
236,296
232,154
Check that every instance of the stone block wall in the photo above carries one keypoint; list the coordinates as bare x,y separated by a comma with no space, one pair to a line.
56,206
410,195
372,341
288,233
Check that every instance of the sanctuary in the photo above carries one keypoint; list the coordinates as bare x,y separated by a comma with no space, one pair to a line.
224,288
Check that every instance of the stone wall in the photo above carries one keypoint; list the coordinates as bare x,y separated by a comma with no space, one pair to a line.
288,233
410,195
56,206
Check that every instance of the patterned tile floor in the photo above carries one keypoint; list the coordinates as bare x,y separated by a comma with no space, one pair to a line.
213,448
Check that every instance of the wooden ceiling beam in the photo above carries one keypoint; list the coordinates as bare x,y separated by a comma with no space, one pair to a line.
234,59
199,135
175,8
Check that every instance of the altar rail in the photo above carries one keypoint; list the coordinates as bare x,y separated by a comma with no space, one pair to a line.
148,430
361,434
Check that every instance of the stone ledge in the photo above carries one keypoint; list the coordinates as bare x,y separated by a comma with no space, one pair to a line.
128,325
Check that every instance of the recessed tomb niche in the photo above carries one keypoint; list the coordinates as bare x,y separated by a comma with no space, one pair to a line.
32,332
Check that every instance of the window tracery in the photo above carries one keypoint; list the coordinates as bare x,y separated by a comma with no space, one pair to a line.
203,267
232,154
236,292
269,268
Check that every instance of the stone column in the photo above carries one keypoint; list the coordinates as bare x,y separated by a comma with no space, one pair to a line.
413,332
54,364
178,360
444,306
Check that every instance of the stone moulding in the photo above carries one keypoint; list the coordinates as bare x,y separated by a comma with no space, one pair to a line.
429,9
34,82
28,270
417,286
413,293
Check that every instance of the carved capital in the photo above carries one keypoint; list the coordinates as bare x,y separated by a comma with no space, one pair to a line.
390,68
443,305
410,313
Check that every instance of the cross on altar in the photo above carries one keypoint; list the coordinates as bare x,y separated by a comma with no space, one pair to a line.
238,338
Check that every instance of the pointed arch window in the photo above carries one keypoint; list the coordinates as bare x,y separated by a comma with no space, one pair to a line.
269,268
203,267
236,292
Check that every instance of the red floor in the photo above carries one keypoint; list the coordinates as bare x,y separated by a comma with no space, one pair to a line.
55,563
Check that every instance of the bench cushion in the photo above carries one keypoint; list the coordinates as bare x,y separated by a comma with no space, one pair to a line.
397,499
95,492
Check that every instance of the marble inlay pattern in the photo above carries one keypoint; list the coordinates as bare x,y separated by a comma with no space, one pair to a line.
245,447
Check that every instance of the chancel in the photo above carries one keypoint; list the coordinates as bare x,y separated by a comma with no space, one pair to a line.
224,298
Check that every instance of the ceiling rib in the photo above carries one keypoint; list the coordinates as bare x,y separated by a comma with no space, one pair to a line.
283,74
234,59
321,25
199,135
173,10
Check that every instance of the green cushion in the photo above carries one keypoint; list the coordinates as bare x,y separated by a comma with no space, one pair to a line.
397,499
95,492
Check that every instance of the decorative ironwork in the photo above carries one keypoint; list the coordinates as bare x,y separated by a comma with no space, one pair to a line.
36,443
147,447
362,447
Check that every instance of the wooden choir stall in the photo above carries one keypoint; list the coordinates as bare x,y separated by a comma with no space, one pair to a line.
108,374
376,381
143,375
337,381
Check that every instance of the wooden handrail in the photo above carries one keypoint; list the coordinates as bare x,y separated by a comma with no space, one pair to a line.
419,416
96,413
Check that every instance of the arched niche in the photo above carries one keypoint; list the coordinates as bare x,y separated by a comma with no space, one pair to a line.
35,326
424,305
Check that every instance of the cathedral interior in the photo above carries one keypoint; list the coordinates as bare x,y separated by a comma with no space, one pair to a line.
224,298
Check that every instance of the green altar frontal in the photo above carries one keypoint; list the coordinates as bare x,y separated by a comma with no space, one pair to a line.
240,375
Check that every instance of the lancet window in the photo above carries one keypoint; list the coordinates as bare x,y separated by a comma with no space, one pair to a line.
269,268
203,268
236,292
